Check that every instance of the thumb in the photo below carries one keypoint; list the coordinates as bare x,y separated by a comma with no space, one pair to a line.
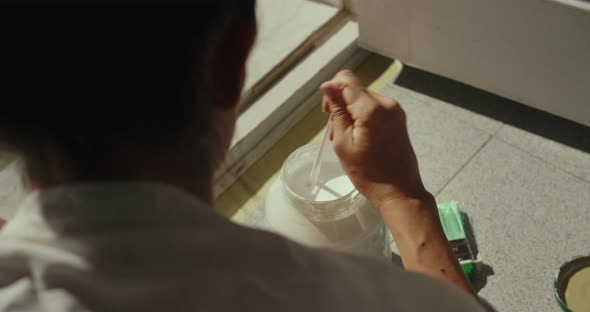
341,119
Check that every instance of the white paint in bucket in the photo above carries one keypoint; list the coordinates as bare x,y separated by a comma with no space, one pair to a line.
332,184
332,214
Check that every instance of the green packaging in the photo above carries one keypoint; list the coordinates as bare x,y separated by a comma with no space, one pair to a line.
453,223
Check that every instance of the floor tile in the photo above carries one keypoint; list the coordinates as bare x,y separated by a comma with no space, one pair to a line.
482,122
528,218
481,109
408,99
442,143
560,142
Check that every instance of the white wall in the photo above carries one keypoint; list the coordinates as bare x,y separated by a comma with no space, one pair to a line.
532,51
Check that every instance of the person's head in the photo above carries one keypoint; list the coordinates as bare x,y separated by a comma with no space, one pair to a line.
100,90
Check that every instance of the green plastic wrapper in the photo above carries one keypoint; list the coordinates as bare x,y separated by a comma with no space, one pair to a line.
453,223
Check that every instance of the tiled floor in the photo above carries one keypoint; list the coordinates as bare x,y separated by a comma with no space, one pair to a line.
522,177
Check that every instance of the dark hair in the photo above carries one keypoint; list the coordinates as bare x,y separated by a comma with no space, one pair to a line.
89,77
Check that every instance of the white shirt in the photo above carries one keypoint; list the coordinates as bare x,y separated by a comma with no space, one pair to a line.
147,247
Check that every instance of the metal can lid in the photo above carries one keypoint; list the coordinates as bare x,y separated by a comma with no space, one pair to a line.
562,278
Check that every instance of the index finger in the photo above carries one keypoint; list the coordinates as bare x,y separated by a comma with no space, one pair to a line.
347,78
344,79
351,86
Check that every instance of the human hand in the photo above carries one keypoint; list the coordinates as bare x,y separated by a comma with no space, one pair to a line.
371,139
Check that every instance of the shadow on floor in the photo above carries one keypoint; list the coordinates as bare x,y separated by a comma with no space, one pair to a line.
484,270
504,110
481,276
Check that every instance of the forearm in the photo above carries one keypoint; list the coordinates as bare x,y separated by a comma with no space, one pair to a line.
421,241
372,142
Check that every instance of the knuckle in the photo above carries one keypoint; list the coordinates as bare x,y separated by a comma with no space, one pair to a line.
347,75
339,146
391,103
373,110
